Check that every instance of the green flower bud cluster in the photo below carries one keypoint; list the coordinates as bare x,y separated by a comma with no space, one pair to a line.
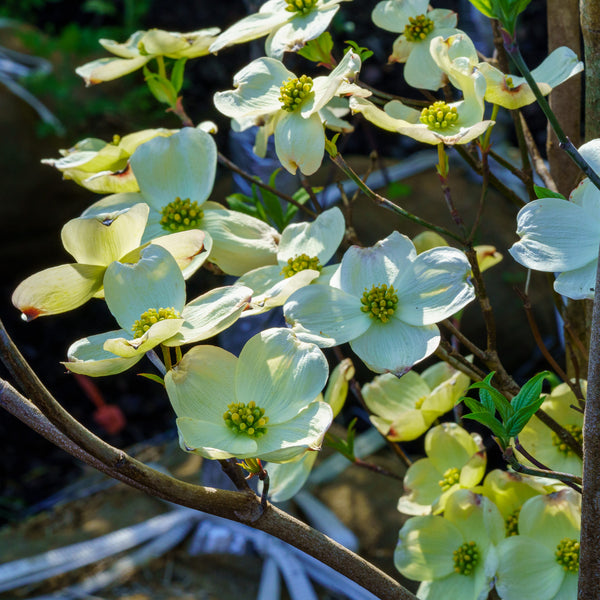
300,6
563,448
451,477
294,91
418,28
300,263
466,558
181,215
380,302
152,316
567,555
511,525
246,418
439,116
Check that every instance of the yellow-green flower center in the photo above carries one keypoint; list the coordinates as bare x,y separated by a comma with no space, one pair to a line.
294,91
181,215
563,448
380,302
300,6
509,82
116,140
419,402
451,477
248,419
300,263
567,555
418,28
466,558
152,316
439,116
511,525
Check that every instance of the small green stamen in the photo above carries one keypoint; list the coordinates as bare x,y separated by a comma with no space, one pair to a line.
300,6
451,477
181,215
116,140
511,525
380,302
439,116
563,448
466,558
418,28
152,316
419,402
300,263
567,555
248,419
294,91
509,82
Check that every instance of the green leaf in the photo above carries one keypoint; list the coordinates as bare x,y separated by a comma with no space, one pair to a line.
344,447
542,192
318,50
236,202
153,377
398,189
515,424
362,51
530,392
177,74
474,406
499,401
491,423
485,7
162,89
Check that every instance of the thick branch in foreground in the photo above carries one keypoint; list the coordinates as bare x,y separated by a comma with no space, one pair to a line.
47,417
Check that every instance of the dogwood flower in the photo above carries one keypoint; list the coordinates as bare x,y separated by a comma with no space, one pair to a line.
506,90
147,298
545,445
288,23
455,460
104,167
418,27
304,250
454,123
542,562
509,491
455,555
95,242
385,301
405,408
263,404
141,48
290,107
176,175
563,237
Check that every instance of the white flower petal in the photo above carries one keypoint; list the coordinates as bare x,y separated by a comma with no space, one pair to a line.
179,166
381,263
214,441
257,90
210,314
305,431
250,28
88,357
201,385
319,238
280,373
435,287
107,69
392,15
292,36
555,236
300,142
325,315
155,281
591,152
578,284
395,346
129,347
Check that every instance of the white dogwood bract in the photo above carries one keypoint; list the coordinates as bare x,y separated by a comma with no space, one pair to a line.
147,299
289,25
426,289
258,100
276,373
304,250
